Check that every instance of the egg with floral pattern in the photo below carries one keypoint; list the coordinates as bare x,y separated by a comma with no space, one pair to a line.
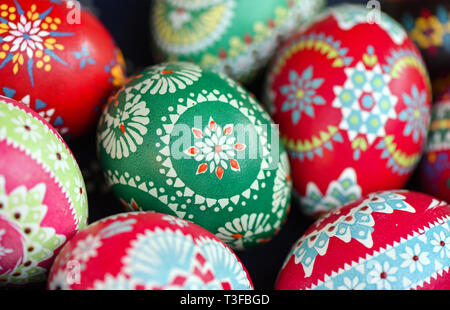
352,98
43,200
147,251
59,60
234,37
434,173
389,240
192,143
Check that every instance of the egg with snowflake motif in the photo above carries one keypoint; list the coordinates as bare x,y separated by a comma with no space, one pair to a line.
43,200
59,60
434,174
192,143
235,37
352,98
389,240
147,251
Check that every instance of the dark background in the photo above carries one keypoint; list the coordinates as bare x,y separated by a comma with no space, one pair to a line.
128,21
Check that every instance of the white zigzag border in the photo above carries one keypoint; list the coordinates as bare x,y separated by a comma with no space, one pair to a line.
415,234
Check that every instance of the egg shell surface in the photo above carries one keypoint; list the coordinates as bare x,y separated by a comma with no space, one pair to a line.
43,200
390,240
149,251
193,143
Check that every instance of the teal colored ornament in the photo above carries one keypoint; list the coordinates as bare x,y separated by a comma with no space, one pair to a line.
190,142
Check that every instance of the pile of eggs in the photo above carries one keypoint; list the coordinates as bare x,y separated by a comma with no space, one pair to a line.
344,128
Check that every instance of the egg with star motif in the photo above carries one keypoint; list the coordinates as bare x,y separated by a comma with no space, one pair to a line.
234,37
352,98
59,60
193,143
43,200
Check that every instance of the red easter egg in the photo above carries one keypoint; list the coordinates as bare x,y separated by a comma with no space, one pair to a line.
391,240
59,60
43,200
352,98
434,174
150,251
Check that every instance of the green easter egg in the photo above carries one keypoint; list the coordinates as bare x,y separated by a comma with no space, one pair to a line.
234,37
191,142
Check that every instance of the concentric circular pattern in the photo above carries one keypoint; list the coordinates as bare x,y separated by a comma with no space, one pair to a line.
235,37
149,251
353,108
192,143
58,60
392,240
435,166
43,200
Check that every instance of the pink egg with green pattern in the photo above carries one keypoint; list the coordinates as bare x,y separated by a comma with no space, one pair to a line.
43,200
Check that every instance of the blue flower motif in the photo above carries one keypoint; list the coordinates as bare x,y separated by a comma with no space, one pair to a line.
83,56
301,94
416,114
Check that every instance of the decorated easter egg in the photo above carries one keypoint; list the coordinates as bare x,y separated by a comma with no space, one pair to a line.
428,25
43,199
192,143
389,240
235,37
352,98
147,251
435,166
59,60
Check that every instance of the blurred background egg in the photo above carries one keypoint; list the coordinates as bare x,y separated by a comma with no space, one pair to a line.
147,251
43,199
391,240
353,108
428,25
59,60
435,166
191,142
234,37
